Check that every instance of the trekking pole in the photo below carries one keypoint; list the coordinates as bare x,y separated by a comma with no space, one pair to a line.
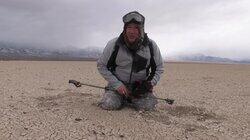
79,84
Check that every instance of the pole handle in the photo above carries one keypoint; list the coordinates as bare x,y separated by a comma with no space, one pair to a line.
76,83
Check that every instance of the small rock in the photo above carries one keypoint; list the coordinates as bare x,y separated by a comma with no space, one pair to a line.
78,119
94,132
23,134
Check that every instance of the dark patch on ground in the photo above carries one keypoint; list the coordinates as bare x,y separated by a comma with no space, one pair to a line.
200,113
157,117
47,88
68,97
193,127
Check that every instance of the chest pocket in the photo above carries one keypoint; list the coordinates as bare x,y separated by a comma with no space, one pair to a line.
124,59
139,63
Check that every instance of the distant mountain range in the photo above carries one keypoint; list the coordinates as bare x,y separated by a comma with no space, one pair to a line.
206,58
13,52
10,51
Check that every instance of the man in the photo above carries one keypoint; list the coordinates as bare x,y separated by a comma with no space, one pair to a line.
132,65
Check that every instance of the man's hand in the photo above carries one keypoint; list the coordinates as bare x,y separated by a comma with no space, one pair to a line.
148,86
142,87
123,90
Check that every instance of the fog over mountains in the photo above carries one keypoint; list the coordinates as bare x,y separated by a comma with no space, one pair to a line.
12,51
206,58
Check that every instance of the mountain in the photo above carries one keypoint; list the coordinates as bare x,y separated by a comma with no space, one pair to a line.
10,51
206,58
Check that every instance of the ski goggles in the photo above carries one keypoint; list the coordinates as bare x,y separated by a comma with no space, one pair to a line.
133,16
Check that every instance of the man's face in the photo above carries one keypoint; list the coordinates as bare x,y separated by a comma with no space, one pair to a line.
132,32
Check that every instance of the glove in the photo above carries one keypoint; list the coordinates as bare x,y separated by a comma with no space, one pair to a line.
147,85
142,87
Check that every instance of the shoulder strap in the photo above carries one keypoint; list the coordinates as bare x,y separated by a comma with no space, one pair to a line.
111,62
152,64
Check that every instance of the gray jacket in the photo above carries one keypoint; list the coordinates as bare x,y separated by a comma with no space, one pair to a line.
124,62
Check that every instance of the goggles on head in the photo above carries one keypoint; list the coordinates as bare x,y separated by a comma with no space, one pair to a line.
134,16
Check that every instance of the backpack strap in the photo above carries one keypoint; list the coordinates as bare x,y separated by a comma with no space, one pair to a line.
111,65
152,64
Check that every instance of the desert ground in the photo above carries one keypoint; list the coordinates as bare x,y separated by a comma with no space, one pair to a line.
212,101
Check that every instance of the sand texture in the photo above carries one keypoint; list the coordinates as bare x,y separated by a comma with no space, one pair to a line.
212,101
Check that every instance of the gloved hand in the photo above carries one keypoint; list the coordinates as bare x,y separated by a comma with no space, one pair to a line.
150,86
147,85
142,87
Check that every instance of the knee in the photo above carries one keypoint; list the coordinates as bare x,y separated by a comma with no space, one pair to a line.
147,107
110,102
146,104
110,105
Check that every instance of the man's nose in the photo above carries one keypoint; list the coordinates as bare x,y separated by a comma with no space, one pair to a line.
133,31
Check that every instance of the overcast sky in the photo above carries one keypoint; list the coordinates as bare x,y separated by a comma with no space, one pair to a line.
211,27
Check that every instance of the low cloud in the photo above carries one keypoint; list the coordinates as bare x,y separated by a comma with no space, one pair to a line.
218,28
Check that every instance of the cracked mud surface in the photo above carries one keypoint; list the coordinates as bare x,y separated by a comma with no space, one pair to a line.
211,102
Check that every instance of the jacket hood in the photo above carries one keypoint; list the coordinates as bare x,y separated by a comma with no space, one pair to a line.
137,18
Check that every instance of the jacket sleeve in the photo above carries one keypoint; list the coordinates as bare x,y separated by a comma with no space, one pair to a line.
159,64
113,82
